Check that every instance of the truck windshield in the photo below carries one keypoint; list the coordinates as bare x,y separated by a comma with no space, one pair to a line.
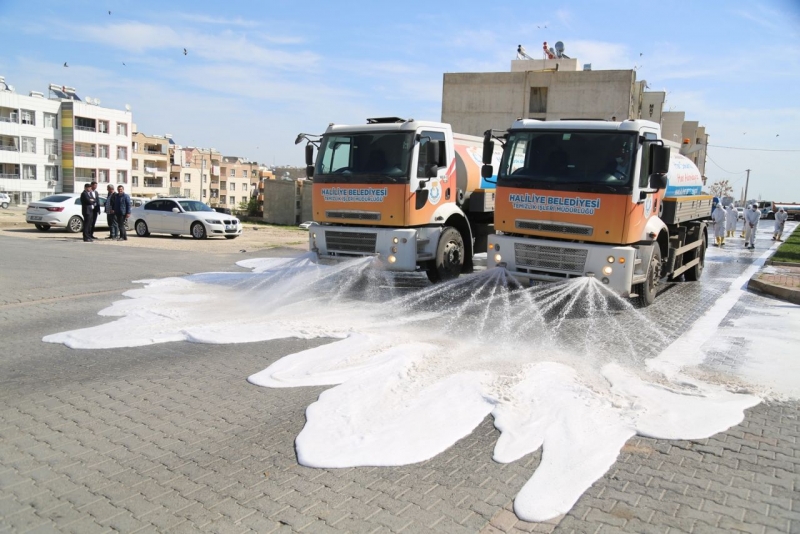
365,157
591,161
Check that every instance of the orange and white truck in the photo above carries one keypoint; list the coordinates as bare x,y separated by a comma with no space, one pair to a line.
610,200
407,192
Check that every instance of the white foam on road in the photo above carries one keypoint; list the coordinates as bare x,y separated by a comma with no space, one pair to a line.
557,367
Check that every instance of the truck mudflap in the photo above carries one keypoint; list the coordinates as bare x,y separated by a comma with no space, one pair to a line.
552,261
395,248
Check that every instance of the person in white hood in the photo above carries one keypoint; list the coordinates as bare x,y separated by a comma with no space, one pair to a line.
731,216
718,216
751,218
780,220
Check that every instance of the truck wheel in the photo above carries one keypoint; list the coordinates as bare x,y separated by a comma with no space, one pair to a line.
647,290
449,257
771,216
693,274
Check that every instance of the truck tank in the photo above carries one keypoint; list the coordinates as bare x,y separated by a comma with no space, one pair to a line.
683,198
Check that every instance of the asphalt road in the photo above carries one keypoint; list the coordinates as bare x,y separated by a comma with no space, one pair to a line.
171,437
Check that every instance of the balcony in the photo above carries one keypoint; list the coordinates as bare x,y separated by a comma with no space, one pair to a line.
9,118
85,153
9,148
86,128
158,182
10,176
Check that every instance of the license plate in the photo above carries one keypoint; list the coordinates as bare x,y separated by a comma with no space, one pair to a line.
35,218
230,227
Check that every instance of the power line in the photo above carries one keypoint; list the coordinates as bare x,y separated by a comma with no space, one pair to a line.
758,149
718,165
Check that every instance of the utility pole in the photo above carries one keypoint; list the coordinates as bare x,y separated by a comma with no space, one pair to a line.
746,183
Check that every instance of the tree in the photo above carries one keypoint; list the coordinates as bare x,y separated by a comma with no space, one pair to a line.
250,207
721,189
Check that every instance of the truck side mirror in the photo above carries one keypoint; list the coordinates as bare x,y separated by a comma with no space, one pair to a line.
309,154
432,152
658,181
659,159
309,171
487,171
488,148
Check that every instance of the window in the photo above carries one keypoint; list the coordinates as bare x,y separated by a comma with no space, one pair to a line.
538,103
205,178
102,151
203,163
244,187
233,186
84,124
244,174
204,193
187,177
135,181
425,139
29,172
644,170
29,145
51,173
222,199
154,205
51,147
135,164
51,120
233,173
223,185
232,200
122,128
85,175
122,152
103,175
28,117
244,199
187,193
102,126
122,177
85,150
135,146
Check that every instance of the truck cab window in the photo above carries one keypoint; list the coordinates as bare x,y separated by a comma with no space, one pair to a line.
425,138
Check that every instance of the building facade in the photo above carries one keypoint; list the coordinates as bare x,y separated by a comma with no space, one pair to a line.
235,182
57,143
193,171
150,166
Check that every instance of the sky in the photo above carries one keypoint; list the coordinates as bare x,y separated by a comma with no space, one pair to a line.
413,368
258,73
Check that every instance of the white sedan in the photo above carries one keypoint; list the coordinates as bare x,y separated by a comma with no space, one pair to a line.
180,216
62,210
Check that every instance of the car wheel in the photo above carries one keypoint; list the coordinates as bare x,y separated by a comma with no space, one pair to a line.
231,236
75,225
42,227
4,205
141,228
198,231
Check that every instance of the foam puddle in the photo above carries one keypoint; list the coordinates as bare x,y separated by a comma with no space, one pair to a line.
570,367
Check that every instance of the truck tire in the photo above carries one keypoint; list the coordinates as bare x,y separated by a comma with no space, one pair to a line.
693,274
647,290
449,257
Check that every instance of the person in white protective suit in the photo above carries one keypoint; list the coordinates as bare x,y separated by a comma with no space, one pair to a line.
780,220
718,216
751,218
731,216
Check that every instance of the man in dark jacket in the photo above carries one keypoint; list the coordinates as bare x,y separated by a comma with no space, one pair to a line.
113,229
97,207
87,211
122,211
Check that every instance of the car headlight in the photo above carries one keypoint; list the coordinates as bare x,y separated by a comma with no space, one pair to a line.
212,221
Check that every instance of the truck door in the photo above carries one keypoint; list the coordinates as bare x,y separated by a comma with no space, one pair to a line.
644,202
428,193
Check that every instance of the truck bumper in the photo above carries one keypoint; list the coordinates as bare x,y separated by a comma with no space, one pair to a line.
529,259
395,248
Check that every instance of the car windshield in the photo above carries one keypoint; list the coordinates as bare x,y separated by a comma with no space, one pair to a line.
576,160
56,198
377,154
193,205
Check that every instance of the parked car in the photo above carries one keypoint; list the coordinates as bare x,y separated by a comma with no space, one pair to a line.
5,200
306,225
740,211
62,210
180,216
226,211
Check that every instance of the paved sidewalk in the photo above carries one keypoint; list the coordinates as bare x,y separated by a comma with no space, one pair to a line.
781,280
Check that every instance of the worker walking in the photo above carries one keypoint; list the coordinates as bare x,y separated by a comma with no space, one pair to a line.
751,218
719,215
731,216
780,220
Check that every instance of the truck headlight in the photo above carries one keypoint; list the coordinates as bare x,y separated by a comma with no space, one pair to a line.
392,259
607,270
611,259
395,240
498,258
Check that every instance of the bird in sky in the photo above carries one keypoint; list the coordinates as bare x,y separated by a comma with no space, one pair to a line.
109,12
123,63
65,64
185,52
777,135
640,54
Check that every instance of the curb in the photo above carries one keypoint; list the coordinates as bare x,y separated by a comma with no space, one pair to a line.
783,263
783,293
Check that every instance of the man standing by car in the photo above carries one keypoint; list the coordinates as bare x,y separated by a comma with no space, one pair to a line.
96,207
122,211
113,229
87,211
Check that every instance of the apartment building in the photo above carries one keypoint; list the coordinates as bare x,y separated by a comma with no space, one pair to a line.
150,165
194,171
57,143
237,176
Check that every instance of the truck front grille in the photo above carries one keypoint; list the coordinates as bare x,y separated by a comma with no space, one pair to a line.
357,215
558,228
540,257
351,242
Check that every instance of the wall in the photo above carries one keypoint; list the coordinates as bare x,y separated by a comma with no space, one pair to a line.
280,202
